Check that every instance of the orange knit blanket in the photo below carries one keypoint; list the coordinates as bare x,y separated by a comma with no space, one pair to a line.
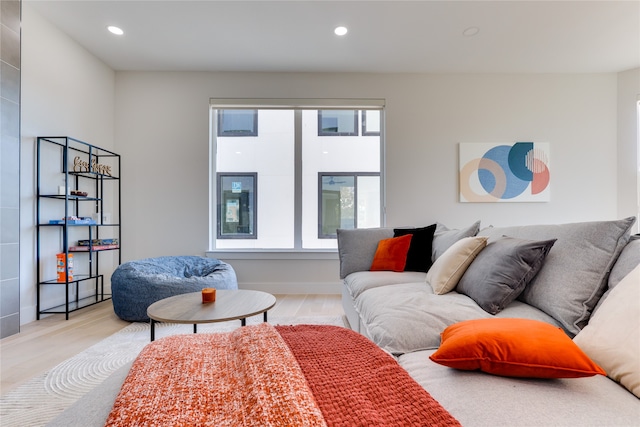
272,376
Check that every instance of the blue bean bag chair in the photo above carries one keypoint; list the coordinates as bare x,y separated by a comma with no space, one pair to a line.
135,285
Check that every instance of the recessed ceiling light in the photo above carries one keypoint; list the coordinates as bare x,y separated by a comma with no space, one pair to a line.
340,31
471,31
115,30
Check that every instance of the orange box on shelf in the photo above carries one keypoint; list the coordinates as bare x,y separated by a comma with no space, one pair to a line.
64,267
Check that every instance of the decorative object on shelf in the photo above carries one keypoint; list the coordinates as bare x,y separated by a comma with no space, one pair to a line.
80,165
75,182
64,267
505,173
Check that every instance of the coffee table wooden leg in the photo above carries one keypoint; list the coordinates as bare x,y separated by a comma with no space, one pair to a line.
265,316
243,322
195,328
153,329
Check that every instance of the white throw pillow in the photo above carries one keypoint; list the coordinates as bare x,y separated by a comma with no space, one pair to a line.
448,268
612,336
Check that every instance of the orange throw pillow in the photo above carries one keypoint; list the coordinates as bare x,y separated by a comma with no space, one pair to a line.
391,254
513,348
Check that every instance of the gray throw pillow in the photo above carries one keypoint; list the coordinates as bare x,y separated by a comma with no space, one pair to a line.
501,271
443,238
575,274
357,247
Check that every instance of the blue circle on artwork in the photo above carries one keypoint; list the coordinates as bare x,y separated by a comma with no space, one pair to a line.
514,186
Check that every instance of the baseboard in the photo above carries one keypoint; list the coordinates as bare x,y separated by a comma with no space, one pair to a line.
294,288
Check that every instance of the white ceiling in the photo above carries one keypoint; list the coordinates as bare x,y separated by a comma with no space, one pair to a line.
384,36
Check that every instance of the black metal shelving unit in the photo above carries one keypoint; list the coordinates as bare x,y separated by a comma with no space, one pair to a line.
85,166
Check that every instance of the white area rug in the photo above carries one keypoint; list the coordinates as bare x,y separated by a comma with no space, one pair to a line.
44,397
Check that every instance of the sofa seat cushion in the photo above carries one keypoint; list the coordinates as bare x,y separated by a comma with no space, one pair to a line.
408,317
357,283
480,399
575,272
518,309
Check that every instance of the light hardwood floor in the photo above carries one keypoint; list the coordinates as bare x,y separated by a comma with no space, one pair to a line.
43,344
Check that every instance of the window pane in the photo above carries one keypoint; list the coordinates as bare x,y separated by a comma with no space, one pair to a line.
237,206
337,204
237,123
337,123
368,201
370,122
271,156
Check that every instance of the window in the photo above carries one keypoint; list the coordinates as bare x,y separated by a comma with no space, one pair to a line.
237,213
347,200
337,123
297,207
370,123
238,123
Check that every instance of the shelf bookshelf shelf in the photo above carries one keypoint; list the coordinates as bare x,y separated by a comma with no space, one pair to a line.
74,165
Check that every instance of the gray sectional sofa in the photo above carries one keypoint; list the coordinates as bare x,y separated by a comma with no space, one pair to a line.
561,274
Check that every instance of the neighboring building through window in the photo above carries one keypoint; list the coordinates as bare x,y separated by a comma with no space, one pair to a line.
237,212
347,200
237,123
298,206
337,123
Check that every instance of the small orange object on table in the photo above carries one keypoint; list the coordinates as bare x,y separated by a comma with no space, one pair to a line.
208,295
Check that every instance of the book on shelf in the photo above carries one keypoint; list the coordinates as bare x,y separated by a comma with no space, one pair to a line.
74,220
95,242
87,248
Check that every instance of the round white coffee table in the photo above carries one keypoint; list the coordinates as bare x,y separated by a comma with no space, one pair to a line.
229,305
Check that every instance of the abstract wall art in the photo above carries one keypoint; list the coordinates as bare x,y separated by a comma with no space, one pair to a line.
518,172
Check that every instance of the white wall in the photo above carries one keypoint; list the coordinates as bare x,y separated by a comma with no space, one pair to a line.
162,133
66,91
628,141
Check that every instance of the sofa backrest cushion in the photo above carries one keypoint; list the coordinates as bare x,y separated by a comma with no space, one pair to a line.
445,237
575,273
501,271
357,247
629,258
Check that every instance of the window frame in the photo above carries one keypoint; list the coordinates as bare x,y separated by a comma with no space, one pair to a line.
299,105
